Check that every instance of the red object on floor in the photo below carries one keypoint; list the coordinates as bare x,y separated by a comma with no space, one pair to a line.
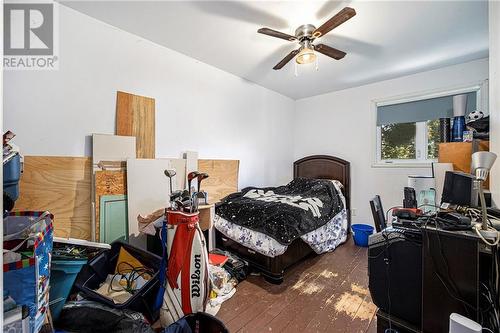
217,259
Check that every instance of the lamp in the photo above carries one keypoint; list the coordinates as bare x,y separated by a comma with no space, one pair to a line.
482,161
305,56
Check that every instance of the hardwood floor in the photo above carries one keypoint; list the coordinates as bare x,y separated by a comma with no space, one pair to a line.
326,293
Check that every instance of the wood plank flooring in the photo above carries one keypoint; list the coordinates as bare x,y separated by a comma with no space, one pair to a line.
326,293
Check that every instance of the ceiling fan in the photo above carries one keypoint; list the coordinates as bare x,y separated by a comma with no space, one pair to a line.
305,36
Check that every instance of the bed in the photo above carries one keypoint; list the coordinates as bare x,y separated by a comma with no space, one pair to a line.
273,267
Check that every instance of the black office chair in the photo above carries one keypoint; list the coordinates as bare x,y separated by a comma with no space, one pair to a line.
378,213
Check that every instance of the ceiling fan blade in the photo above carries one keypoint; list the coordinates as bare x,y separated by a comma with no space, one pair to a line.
342,16
277,34
329,51
286,59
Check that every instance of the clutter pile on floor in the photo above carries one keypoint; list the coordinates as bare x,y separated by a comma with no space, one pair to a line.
80,286
103,290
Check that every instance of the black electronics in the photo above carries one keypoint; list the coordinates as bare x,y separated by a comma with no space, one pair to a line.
410,198
493,212
460,189
453,221
407,213
395,272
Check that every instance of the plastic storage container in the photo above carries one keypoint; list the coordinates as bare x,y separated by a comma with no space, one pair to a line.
11,176
62,276
361,233
97,269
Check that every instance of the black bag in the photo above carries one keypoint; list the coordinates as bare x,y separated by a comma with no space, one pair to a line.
199,322
93,317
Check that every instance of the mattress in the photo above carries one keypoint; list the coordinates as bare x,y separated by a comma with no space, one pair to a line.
321,240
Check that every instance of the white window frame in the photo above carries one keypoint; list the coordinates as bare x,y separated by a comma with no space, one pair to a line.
481,89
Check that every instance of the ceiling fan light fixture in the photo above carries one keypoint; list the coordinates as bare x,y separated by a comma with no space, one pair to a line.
306,56
305,35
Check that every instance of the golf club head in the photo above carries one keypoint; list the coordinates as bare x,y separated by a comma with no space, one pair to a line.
169,173
178,205
185,195
175,195
192,175
201,177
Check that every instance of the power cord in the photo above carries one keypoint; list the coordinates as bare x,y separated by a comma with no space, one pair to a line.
478,232
387,262
387,212
134,273
441,279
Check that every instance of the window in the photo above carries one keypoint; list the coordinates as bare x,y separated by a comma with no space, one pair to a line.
410,141
408,130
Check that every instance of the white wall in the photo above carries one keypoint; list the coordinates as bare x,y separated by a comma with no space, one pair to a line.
341,124
203,108
198,106
494,30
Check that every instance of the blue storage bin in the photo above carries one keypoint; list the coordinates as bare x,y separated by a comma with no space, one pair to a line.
62,276
361,233
11,176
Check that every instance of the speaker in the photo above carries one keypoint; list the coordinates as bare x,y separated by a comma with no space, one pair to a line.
395,273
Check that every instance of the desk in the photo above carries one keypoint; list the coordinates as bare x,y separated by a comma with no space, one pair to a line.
450,277
453,265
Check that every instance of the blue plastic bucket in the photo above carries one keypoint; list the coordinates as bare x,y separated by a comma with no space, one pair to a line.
62,276
361,233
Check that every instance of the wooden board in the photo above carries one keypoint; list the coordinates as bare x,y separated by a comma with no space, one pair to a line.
135,116
459,153
222,180
107,147
107,183
60,185
109,150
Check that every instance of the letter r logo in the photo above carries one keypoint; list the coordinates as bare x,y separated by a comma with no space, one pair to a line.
28,29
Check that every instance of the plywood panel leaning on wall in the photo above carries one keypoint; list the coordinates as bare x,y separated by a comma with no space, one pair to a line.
107,183
222,180
135,116
60,185
459,153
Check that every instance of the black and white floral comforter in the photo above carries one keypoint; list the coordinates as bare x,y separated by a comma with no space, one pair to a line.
322,239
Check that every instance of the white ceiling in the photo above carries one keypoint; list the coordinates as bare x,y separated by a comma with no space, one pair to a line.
386,39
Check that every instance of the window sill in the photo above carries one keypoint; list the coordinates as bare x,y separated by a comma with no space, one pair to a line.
415,165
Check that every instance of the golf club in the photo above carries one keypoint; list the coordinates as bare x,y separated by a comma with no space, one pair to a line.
175,195
185,195
170,174
194,202
201,177
179,205
192,175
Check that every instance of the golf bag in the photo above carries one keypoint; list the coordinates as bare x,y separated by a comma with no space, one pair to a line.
185,284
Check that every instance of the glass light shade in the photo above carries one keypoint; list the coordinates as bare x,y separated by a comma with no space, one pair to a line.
306,56
482,161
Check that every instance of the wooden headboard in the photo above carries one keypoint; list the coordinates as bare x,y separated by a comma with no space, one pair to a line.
327,167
